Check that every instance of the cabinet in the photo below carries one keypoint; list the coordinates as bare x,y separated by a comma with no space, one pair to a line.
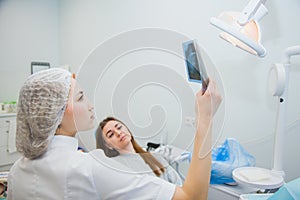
8,153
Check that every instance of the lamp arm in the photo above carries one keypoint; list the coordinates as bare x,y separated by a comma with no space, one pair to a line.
250,10
290,51
281,115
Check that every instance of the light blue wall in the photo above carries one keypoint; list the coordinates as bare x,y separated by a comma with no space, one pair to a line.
71,29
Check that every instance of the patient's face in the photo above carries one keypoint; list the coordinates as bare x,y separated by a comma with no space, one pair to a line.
117,136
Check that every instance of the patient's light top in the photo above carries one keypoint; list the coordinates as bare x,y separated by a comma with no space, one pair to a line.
135,162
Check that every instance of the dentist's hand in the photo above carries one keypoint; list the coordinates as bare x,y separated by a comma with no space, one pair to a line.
197,180
207,103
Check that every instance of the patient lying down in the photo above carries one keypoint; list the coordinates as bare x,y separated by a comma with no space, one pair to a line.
116,140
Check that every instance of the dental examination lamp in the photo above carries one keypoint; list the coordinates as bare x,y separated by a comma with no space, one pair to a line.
241,29
278,84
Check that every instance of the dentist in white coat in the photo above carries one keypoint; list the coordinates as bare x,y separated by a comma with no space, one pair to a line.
52,108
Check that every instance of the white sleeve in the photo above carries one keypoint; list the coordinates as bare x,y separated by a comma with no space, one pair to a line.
115,181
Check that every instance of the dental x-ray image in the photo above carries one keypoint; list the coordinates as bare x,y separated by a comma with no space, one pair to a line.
191,61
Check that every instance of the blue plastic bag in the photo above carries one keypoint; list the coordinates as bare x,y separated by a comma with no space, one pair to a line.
229,156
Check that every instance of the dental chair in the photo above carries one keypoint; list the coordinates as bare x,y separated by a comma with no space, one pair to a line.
174,155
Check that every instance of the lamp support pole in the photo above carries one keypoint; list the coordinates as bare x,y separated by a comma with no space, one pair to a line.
254,9
281,115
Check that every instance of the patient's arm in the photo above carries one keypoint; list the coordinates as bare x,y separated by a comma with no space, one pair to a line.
198,176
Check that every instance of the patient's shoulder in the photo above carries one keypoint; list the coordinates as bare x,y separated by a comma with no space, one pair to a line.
98,156
160,158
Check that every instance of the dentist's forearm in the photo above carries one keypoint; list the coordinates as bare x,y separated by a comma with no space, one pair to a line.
198,176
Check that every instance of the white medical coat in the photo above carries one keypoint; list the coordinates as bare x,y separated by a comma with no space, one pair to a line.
64,173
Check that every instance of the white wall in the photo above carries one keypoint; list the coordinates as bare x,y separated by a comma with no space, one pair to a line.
73,30
250,110
28,32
